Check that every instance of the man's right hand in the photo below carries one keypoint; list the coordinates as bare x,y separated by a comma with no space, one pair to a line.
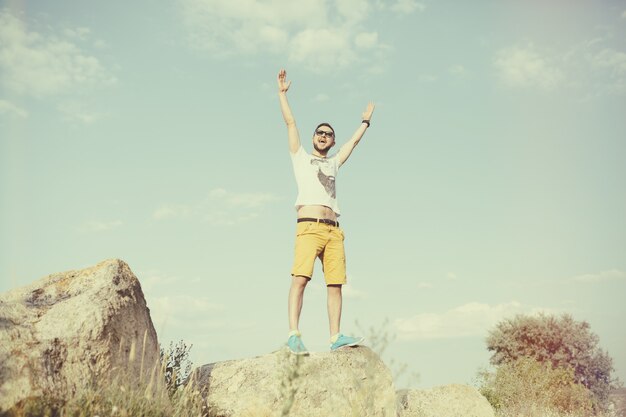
292,131
283,85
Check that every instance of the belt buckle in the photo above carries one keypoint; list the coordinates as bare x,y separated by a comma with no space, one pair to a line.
328,222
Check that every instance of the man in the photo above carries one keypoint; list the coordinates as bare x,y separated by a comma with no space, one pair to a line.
317,233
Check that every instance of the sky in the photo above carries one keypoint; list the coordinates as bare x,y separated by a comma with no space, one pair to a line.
490,183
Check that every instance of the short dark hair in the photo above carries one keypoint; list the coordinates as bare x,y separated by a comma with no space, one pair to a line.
324,124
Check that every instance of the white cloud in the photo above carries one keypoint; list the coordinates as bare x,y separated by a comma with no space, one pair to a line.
40,65
614,61
245,200
321,97
76,112
427,78
469,320
458,71
322,49
221,207
592,67
248,25
100,226
81,33
366,40
10,109
321,35
524,66
100,44
183,311
186,305
624,14
171,211
604,276
153,279
349,292
609,70
352,10
407,6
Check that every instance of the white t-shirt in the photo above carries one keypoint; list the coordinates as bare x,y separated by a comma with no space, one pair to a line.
316,179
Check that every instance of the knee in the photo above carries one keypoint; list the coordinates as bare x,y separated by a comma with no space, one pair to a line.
299,281
334,289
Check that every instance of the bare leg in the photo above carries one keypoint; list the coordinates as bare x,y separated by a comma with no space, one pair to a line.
294,304
334,308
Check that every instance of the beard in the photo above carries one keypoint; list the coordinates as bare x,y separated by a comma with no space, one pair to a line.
323,150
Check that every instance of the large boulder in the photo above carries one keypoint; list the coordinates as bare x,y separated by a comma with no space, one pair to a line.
348,382
71,328
445,401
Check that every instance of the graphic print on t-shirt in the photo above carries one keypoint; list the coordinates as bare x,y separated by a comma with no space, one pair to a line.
328,181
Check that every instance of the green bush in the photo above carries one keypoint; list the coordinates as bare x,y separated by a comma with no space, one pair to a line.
524,386
560,342
176,365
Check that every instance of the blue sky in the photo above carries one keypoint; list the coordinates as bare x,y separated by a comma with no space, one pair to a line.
490,183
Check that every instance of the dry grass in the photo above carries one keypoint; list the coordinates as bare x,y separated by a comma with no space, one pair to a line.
534,411
527,388
121,395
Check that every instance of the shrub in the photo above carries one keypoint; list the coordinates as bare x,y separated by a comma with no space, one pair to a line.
560,342
176,365
524,386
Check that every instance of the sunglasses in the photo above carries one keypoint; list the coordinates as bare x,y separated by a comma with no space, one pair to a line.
325,134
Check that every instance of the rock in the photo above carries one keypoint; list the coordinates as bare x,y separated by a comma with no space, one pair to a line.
348,382
446,401
68,329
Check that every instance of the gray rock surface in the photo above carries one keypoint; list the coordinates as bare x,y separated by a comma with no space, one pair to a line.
63,330
445,401
348,382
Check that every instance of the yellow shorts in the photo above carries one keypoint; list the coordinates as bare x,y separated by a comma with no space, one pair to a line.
324,241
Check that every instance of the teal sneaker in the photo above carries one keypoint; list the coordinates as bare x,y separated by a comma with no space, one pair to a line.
345,341
295,345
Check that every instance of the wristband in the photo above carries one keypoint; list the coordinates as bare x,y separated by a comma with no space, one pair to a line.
366,122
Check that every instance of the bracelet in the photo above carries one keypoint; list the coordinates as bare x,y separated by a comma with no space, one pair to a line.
366,122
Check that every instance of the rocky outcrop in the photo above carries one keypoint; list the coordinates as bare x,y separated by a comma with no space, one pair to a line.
348,382
68,329
445,401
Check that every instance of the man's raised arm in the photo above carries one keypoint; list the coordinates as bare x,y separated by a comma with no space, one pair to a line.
348,147
292,130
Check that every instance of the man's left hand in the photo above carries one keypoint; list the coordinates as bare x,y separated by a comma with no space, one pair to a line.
367,114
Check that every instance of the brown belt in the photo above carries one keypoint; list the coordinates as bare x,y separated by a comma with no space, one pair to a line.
325,221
